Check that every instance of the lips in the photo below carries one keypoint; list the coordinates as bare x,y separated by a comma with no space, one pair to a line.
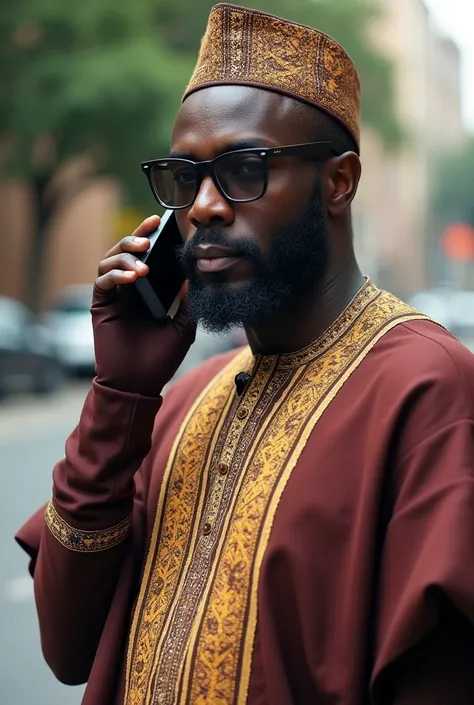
212,258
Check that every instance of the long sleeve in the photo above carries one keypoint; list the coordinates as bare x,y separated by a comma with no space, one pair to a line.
425,650
96,509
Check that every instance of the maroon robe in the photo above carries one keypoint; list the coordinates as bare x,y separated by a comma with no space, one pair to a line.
366,588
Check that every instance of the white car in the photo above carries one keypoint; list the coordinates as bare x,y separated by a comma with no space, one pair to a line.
69,321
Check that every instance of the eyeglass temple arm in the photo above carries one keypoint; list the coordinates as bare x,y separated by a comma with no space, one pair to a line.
309,149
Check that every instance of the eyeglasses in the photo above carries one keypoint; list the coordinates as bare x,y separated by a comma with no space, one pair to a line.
240,176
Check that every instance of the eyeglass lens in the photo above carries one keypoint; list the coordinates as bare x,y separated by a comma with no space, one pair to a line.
241,176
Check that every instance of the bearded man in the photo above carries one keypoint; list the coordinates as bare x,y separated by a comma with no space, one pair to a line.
293,523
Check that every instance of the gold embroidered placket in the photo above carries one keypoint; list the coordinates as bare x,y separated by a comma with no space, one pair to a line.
220,489
192,635
175,529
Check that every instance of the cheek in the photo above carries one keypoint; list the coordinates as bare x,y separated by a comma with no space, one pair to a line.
185,226
286,199
290,191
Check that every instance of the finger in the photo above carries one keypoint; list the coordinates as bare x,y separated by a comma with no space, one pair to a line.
114,278
137,241
147,226
129,244
124,261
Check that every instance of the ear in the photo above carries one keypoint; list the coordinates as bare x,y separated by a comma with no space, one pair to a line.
342,179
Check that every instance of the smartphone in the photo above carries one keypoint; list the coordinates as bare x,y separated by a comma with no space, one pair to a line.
161,286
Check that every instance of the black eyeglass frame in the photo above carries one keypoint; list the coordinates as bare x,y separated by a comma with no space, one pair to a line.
314,150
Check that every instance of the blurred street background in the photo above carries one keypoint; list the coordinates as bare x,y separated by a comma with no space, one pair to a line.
89,90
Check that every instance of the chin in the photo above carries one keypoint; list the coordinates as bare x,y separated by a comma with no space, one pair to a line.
221,281
217,287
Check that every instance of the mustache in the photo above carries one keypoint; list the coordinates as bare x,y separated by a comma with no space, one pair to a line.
242,247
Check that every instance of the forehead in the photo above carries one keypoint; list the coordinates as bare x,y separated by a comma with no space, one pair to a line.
216,116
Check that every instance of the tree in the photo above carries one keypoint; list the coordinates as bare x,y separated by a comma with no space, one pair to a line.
102,79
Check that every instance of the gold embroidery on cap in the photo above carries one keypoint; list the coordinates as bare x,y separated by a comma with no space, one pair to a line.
250,47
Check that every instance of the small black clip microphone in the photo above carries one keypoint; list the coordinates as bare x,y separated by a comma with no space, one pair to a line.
241,381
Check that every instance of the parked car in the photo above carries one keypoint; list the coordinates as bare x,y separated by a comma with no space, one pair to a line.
70,325
27,358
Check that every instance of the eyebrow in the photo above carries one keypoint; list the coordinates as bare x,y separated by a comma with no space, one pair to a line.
257,143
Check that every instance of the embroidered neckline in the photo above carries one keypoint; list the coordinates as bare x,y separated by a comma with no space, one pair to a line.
336,330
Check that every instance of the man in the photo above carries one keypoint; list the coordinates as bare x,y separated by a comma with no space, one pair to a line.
300,527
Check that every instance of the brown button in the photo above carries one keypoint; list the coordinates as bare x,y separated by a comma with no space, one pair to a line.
223,468
242,413
266,365
206,529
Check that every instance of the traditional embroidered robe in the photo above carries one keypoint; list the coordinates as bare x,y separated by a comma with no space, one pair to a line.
307,542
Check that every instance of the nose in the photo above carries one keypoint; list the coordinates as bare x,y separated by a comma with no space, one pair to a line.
210,207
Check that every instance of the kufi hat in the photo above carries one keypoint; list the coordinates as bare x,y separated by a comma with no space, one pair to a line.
253,48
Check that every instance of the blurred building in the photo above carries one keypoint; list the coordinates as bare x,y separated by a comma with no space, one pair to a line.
391,213
394,231
81,233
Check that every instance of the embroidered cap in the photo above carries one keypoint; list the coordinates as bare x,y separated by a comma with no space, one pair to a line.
253,48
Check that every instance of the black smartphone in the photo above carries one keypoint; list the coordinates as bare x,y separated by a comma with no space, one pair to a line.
161,286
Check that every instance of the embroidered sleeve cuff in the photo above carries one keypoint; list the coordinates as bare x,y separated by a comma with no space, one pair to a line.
85,541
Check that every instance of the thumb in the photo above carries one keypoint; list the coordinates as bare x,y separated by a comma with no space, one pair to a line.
101,298
184,324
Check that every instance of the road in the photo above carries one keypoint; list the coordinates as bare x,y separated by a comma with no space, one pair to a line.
32,435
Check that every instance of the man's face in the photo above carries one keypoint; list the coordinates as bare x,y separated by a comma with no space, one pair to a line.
248,262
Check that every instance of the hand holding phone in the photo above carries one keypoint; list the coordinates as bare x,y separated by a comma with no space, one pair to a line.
160,288
135,353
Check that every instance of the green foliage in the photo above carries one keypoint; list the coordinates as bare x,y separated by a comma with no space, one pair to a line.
105,77
453,195
90,78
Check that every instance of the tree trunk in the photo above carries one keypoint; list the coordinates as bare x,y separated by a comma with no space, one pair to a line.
38,245
45,206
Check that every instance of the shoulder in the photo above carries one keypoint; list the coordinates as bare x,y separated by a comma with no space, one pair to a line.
437,345
420,379
421,355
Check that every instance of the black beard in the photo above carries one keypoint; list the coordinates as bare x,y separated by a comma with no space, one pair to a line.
296,264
